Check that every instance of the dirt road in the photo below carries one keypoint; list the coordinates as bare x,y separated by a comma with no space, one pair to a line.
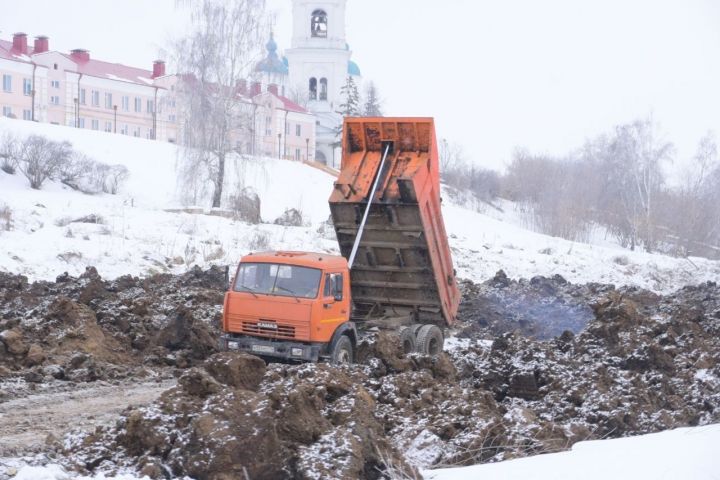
26,421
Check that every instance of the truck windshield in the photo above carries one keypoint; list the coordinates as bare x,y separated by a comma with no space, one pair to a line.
277,279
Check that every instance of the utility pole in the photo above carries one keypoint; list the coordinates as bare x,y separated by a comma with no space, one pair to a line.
307,149
114,118
279,140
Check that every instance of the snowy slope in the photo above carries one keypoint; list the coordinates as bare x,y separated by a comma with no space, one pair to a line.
138,237
674,454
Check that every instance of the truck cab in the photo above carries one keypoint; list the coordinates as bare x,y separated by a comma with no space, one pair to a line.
291,305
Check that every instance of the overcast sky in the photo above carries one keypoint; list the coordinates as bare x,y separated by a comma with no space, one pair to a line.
543,75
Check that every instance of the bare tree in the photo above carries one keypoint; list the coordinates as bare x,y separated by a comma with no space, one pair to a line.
41,158
450,155
299,95
214,58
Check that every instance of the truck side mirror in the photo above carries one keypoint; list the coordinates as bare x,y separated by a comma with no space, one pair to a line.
327,301
338,297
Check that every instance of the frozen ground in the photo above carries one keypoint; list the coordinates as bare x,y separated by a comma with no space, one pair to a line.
138,237
674,454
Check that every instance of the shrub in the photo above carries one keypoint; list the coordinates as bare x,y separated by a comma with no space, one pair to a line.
9,153
5,218
116,176
246,206
259,241
42,159
292,217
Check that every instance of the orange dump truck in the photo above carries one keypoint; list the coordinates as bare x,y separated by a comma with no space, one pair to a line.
395,270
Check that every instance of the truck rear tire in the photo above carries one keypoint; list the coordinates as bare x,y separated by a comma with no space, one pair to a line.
430,340
343,351
407,339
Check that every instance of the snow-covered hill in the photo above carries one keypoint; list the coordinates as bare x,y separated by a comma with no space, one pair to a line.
138,236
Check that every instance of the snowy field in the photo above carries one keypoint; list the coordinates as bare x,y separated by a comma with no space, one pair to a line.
138,237
685,453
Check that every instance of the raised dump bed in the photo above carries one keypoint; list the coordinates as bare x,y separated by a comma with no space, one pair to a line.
403,264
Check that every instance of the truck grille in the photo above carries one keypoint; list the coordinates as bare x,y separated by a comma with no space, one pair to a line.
282,331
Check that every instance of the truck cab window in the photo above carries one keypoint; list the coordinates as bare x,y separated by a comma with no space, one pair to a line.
279,280
334,286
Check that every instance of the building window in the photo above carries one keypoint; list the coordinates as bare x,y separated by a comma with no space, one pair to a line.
55,100
81,123
125,103
136,132
318,24
55,83
7,83
268,126
82,96
108,126
27,115
27,86
149,106
95,98
298,130
124,129
313,88
95,123
138,105
323,89
287,128
172,118
297,154
7,111
54,66
108,100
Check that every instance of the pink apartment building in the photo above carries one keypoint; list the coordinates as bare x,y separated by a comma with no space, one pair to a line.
78,91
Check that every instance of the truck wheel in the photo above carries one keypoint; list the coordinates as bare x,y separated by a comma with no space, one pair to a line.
429,340
343,352
407,339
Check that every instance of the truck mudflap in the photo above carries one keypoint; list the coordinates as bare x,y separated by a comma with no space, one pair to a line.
286,350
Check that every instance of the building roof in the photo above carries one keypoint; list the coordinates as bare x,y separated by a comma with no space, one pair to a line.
112,71
353,68
95,68
271,63
290,105
7,52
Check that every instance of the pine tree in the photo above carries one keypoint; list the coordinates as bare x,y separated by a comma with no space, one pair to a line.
351,105
373,103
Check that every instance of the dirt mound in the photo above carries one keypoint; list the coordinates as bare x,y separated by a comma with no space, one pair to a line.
85,328
233,418
540,308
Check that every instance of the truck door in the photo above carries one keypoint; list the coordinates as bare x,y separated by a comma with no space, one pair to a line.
335,304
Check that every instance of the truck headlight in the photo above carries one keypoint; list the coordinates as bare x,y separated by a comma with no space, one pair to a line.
296,352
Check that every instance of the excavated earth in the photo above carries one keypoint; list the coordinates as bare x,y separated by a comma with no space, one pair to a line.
535,366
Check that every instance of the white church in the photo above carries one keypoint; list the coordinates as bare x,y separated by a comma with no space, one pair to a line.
315,69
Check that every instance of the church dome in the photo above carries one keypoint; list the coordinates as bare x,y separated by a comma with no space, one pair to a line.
353,69
272,63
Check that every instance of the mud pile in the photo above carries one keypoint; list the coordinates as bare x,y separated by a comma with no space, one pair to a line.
540,308
233,417
85,329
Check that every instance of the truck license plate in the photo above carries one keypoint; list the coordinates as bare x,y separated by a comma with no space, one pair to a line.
263,349
233,345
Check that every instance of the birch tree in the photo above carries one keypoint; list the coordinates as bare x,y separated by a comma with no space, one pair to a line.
213,59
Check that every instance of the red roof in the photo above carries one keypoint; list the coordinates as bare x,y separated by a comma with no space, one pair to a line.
95,68
6,51
112,71
290,105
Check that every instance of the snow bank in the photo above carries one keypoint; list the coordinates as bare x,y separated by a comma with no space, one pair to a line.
681,453
55,472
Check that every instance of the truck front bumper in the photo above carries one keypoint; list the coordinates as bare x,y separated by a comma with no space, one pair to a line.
282,349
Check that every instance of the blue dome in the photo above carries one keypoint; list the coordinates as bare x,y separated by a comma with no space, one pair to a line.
353,69
272,63
285,61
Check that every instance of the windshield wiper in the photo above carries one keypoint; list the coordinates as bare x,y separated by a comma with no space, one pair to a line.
289,291
248,289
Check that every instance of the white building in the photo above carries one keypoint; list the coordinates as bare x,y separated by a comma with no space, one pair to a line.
318,65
